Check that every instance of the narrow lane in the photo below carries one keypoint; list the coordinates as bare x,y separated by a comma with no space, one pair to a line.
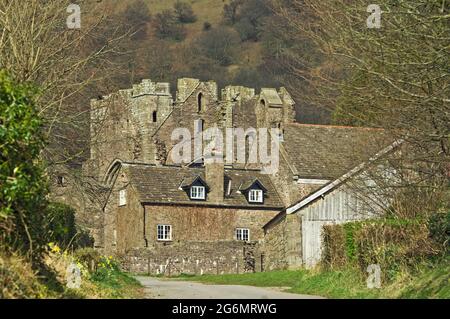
176,289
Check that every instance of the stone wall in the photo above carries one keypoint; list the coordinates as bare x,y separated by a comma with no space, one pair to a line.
195,258
204,223
283,243
123,125
275,246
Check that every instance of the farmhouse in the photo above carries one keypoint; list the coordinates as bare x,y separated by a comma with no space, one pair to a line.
205,216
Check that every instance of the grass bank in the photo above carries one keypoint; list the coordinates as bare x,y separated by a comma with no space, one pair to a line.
426,282
20,280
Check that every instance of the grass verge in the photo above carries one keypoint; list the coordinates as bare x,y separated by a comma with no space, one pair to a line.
426,282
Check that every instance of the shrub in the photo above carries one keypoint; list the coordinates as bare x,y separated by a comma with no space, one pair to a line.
22,186
439,225
247,31
107,267
207,26
184,12
137,15
334,252
89,257
60,224
231,11
219,45
394,244
166,26
61,228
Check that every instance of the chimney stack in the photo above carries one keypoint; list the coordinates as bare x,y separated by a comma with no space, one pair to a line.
215,178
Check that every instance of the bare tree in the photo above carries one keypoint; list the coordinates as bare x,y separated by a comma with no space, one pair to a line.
395,75
38,47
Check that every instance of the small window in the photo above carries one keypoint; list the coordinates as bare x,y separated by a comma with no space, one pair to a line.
243,234
255,196
61,181
122,197
155,117
164,232
198,192
200,102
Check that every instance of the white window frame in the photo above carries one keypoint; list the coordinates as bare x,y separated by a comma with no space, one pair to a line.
164,232
243,234
196,193
255,196
122,197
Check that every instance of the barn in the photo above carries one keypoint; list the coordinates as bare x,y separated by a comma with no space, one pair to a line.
293,238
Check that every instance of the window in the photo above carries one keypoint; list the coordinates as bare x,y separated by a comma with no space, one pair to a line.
155,117
122,197
61,181
164,232
243,234
198,192
255,196
200,102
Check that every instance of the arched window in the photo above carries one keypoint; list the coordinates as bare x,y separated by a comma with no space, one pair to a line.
200,102
263,103
155,117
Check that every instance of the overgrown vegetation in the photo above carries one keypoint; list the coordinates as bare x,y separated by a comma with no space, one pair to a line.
22,187
396,245
32,230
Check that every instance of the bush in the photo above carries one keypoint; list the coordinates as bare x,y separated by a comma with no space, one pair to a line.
61,228
219,45
137,15
60,224
439,225
394,244
207,26
334,250
22,186
88,257
247,31
166,26
184,12
231,11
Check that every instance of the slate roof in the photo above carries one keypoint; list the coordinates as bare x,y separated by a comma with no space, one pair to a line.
271,95
162,184
327,152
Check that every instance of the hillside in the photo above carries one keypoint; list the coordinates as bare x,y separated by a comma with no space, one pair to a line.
248,53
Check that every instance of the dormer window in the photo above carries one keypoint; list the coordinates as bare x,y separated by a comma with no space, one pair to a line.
255,196
198,192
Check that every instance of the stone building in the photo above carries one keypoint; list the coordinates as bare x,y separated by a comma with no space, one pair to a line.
204,217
